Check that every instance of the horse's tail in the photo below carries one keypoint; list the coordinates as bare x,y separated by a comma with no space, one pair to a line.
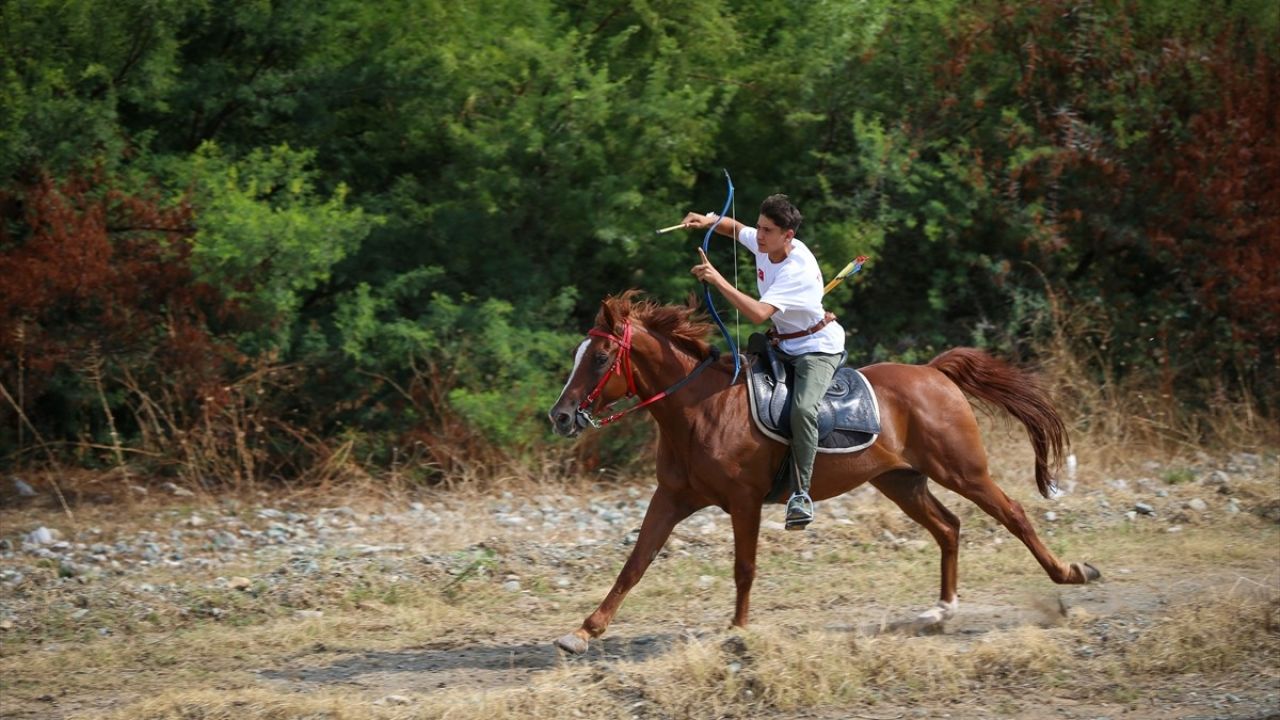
1018,393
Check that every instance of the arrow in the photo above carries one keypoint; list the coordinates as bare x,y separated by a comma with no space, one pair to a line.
673,228
850,269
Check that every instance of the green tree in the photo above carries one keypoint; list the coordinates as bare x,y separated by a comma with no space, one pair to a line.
265,236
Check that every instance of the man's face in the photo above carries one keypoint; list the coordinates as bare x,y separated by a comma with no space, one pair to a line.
770,238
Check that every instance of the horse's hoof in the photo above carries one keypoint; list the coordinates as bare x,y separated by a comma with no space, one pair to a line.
939,613
571,643
1087,572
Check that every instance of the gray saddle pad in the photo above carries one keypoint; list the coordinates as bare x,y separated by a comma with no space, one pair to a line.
848,416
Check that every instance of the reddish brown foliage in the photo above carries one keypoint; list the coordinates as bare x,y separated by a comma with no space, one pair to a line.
88,271
1155,181
1226,173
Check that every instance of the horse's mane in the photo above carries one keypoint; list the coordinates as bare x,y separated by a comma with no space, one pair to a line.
684,325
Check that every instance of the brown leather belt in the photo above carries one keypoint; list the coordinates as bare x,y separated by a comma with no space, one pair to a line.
775,337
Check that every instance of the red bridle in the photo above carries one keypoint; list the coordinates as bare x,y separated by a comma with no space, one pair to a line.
622,367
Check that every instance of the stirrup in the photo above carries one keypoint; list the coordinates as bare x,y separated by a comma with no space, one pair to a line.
799,511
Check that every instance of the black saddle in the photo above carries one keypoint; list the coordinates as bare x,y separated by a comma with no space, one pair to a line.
848,416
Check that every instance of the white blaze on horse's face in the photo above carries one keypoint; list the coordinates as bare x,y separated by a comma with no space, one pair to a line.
577,361
565,418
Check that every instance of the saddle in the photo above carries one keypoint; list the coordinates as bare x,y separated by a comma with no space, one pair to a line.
848,416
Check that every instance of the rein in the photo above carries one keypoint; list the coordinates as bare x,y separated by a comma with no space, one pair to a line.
622,367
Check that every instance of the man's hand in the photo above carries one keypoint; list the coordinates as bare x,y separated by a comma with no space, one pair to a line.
706,272
699,221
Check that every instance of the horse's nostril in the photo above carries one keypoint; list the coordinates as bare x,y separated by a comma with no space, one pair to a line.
562,419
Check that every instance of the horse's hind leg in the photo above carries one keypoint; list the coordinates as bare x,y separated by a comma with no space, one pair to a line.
910,491
975,483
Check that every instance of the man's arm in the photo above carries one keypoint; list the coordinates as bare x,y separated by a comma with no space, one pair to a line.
727,227
754,310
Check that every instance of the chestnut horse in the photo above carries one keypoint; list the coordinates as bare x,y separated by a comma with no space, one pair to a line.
711,453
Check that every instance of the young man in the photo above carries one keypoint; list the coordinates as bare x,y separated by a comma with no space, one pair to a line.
809,340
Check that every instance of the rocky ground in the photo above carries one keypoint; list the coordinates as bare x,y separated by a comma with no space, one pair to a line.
164,561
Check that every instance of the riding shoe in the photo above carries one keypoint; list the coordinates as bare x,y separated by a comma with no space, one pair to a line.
799,511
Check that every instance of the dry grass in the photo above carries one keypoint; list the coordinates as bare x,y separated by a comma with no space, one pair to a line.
1239,626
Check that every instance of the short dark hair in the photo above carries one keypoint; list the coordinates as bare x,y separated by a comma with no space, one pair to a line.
779,209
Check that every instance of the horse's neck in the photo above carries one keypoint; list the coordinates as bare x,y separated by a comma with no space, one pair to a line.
668,365
660,365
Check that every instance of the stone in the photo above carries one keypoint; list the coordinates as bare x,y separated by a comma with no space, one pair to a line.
21,487
1144,508
69,569
1197,504
177,490
239,583
1217,477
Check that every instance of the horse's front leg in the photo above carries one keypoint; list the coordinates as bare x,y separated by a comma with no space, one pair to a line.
746,535
665,511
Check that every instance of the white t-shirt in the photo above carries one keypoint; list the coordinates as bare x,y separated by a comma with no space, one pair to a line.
794,287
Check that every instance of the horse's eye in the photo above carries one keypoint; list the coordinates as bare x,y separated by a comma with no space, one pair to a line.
602,359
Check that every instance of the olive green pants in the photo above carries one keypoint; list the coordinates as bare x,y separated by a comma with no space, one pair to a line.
813,372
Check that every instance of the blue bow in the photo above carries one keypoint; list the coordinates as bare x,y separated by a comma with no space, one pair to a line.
706,289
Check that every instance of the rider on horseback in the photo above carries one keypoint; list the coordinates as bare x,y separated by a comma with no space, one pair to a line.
808,339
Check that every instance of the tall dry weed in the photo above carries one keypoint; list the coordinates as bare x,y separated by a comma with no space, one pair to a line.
236,437
1113,415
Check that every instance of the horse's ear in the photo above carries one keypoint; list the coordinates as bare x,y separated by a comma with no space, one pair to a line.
607,318
615,310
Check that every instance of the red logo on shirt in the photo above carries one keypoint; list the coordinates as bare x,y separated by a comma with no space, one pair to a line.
760,273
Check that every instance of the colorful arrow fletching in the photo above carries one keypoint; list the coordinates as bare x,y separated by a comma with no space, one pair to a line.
846,271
